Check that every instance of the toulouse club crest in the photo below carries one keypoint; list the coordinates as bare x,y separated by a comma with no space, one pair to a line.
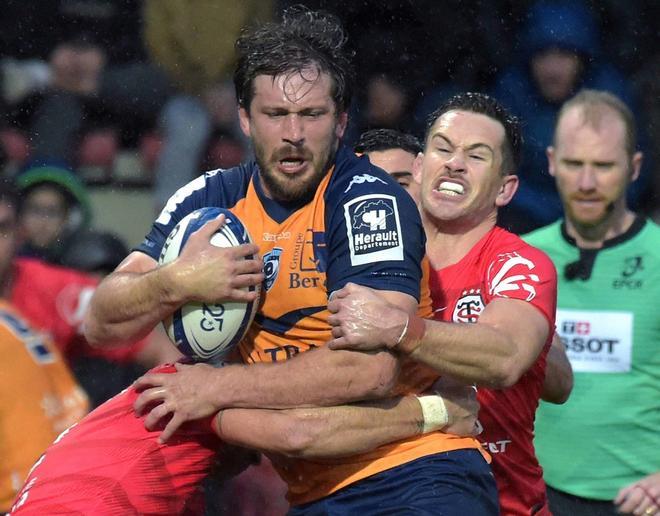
468,307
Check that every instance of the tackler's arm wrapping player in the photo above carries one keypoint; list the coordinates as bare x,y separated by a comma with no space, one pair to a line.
395,152
348,429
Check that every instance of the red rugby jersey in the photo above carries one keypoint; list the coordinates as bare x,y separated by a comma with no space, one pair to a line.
54,300
109,464
502,265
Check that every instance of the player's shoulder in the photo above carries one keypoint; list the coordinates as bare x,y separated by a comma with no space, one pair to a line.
355,175
220,187
508,248
232,182
358,184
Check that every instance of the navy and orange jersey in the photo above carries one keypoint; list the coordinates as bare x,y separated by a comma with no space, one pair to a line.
109,463
39,398
360,227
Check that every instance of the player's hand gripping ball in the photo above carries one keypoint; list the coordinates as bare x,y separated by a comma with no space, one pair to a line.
202,331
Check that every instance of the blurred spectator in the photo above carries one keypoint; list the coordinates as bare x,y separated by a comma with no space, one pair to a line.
195,47
87,110
55,117
559,54
54,299
77,67
647,82
39,398
54,209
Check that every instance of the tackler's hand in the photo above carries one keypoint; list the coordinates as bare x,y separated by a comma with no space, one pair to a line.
181,396
362,320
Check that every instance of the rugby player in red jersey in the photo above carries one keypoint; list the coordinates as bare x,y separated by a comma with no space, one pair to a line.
501,290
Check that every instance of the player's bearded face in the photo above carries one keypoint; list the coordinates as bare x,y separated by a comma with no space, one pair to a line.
295,132
298,185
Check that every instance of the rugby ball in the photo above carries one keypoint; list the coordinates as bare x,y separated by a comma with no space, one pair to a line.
203,331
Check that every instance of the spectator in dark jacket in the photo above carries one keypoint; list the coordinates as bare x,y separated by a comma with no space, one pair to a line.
559,54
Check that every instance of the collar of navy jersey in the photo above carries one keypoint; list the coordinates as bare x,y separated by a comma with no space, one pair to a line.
277,210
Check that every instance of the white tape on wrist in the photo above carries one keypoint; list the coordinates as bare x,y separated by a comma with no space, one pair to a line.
403,332
434,413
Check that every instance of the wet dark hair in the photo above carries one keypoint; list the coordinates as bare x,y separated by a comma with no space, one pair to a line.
385,139
303,39
486,105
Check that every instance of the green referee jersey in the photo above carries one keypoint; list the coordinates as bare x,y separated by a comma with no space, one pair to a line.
608,433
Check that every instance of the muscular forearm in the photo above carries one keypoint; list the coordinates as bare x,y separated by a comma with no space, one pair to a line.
495,351
322,432
473,353
128,305
317,378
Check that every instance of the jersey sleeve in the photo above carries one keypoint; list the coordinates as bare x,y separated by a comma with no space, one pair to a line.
526,274
374,232
217,188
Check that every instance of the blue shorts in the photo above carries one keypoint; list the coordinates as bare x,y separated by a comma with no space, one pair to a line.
457,483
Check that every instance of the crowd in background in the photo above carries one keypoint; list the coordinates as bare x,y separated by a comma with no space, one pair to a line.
85,81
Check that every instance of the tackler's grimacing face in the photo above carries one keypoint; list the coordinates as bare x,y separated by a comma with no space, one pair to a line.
461,169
